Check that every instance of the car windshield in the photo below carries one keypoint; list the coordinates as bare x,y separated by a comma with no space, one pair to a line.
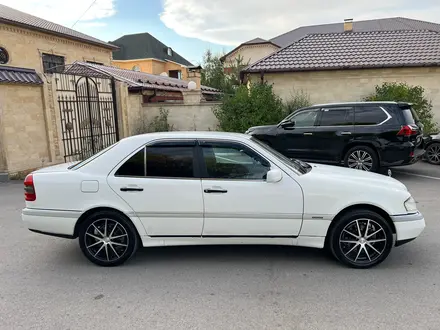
295,164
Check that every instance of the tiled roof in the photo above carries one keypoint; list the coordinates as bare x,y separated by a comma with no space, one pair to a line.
138,79
9,74
384,24
255,41
144,45
15,17
353,50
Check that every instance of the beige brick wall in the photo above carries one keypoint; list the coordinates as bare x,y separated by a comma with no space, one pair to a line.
353,85
250,53
24,130
26,46
184,117
3,163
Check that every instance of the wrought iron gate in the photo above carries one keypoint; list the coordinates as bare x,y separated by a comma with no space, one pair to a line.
88,114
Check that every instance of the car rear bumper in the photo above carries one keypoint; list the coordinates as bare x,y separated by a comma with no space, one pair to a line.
408,227
50,222
406,156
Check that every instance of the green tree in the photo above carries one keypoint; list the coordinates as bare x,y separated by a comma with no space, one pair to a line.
298,99
247,107
214,75
402,92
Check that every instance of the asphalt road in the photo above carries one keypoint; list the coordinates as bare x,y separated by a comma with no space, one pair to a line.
46,283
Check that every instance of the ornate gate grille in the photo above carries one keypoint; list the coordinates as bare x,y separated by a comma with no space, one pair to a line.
88,114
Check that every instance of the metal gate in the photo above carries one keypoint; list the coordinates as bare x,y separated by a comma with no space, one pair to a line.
88,113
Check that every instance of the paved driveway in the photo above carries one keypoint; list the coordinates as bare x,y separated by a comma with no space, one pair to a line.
46,283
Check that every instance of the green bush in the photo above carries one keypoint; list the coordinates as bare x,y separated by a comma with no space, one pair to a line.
299,99
247,107
402,92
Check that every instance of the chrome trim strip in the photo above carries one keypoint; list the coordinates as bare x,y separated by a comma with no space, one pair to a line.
51,213
407,217
179,215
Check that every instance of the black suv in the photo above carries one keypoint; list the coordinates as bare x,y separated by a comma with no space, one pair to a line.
369,136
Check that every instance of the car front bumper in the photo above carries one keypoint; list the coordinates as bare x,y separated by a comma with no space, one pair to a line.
408,227
50,222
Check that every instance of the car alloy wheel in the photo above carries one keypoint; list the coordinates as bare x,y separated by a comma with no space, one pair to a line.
108,238
433,153
362,241
361,160
360,238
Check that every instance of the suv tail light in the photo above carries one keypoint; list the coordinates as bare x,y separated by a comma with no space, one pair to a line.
29,189
408,130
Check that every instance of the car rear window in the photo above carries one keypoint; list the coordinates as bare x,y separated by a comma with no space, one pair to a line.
410,116
92,158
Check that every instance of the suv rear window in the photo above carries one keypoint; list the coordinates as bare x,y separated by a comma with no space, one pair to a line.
369,115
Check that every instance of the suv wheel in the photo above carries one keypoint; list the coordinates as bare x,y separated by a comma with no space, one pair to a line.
362,158
433,153
361,239
108,239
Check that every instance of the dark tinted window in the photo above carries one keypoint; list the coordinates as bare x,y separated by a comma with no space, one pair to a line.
170,162
135,166
369,115
408,117
337,117
305,118
233,161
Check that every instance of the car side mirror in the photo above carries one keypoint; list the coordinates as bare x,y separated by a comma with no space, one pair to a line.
288,124
274,176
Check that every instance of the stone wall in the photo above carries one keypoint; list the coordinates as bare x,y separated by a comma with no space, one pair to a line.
25,48
353,85
25,140
183,117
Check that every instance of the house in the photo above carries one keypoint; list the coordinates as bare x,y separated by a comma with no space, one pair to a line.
32,50
346,66
258,48
143,52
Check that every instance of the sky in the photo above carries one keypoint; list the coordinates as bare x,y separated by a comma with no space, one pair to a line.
190,27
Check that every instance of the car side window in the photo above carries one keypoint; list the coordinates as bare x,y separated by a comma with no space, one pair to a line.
233,161
134,166
337,117
160,162
369,115
305,118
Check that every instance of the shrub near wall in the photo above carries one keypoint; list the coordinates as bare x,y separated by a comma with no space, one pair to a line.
247,107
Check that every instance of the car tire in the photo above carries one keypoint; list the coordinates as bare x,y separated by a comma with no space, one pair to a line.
362,158
354,245
433,153
108,238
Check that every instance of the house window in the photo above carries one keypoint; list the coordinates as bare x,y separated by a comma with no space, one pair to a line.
175,74
136,68
4,56
53,63
170,52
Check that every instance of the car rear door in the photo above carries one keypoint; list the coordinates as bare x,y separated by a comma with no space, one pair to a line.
334,131
161,184
238,201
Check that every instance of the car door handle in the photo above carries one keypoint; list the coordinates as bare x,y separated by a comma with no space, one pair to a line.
215,191
308,133
345,133
125,189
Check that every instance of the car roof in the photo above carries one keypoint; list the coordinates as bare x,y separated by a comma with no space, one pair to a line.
188,135
357,103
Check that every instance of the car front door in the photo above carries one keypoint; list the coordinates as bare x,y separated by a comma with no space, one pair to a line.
161,184
295,136
238,201
334,131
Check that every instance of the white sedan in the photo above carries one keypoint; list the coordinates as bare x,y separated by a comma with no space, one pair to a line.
198,188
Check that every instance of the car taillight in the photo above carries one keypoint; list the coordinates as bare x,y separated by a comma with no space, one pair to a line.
29,189
408,130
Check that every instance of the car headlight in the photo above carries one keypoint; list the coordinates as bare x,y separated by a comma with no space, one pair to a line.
411,205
